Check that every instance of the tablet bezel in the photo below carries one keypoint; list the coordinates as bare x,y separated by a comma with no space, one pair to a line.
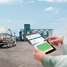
43,37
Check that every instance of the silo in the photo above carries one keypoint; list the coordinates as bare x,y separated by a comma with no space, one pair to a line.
50,32
40,31
20,35
26,30
45,33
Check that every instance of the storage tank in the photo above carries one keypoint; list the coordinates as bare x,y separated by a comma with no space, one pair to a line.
45,33
50,32
3,29
26,30
6,37
20,35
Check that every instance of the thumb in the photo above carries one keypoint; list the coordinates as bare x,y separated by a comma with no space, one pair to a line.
34,49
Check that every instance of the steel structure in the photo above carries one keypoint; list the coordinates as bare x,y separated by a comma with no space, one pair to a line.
44,32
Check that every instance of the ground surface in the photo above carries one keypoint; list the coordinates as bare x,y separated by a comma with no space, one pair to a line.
21,55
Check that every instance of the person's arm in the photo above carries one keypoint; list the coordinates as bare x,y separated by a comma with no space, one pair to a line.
54,61
64,45
48,61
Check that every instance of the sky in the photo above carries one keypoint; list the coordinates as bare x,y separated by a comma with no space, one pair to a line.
40,14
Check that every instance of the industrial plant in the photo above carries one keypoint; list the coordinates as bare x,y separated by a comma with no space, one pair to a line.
27,30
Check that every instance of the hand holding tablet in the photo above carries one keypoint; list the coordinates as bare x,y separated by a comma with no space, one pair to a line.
37,41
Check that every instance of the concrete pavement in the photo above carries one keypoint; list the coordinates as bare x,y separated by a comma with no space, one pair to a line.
21,55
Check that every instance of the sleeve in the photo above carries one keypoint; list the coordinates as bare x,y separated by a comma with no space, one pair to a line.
64,45
54,61
48,61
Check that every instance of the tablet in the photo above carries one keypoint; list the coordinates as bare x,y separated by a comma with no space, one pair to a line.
38,42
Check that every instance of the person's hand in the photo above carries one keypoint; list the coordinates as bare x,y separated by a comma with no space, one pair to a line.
54,40
37,54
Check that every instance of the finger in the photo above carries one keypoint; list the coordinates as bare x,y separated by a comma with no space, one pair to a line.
50,37
46,39
35,54
54,43
34,49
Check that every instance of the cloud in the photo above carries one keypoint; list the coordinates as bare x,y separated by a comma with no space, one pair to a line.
49,9
56,10
10,1
9,21
61,0
62,19
53,0
52,9
47,0
30,1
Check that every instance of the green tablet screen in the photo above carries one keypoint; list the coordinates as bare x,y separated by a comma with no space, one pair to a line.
44,46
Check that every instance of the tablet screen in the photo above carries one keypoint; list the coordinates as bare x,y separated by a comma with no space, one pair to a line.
45,46
37,41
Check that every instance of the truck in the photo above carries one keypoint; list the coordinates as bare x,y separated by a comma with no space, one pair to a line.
7,37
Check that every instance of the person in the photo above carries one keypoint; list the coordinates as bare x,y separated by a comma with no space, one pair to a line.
53,61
